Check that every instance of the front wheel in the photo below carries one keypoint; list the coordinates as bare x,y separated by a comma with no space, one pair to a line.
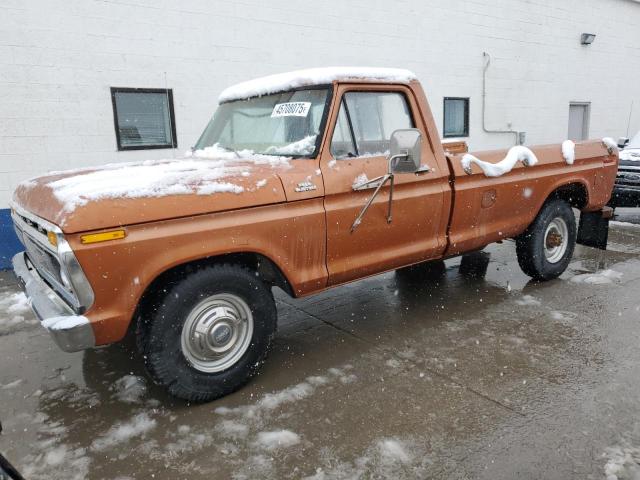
210,333
545,249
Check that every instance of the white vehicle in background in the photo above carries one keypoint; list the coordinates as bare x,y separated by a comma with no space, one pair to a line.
626,191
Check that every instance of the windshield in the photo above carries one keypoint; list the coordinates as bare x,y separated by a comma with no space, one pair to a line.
285,123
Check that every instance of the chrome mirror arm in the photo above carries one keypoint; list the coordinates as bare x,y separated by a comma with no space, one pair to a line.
384,179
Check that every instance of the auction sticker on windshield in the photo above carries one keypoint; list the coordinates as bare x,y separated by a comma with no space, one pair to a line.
291,109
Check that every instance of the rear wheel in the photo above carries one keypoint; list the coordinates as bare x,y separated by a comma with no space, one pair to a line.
545,249
210,333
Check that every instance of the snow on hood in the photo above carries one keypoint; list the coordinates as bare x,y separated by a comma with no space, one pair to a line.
312,76
515,154
196,174
58,196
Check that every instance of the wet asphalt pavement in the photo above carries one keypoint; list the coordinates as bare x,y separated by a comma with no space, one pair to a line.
474,372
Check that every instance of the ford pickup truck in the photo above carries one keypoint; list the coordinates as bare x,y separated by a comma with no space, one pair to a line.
304,181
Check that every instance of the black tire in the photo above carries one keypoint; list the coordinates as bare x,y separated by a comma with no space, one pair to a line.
530,245
160,332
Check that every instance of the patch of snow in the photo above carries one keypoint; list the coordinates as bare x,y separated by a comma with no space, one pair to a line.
261,183
360,179
569,151
129,389
233,429
277,439
65,323
318,172
602,277
332,163
622,463
138,426
514,155
611,145
528,300
312,76
13,384
527,192
203,173
306,146
393,450
624,224
13,308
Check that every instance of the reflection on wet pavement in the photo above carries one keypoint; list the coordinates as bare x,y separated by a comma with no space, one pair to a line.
459,369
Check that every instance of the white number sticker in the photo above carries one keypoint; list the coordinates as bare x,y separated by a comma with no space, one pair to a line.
291,109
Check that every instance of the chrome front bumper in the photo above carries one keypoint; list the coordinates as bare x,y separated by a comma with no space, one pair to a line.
71,332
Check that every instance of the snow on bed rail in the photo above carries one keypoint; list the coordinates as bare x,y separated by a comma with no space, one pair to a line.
515,154
312,76
202,172
611,144
569,151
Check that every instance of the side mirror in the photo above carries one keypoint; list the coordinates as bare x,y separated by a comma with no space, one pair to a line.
405,151
622,142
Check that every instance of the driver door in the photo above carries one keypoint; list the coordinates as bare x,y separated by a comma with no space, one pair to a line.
362,120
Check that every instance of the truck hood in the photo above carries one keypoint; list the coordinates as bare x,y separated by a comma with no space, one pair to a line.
128,193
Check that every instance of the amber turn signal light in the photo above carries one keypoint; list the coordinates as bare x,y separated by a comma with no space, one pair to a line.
53,238
102,236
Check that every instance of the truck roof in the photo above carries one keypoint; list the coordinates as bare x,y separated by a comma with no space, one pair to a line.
313,76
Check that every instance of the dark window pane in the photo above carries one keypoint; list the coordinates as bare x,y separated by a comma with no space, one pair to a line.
143,119
456,114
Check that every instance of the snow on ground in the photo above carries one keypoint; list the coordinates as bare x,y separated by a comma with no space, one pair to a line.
276,439
624,224
528,300
622,463
602,277
129,389
384,458
13,308
312,76
51,458
569,151
11,385
137,426
515,154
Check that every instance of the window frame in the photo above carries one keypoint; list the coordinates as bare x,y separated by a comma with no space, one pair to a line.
172,119
342,101
467,107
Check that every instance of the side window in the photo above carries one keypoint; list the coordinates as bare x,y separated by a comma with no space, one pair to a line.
373,117
342,142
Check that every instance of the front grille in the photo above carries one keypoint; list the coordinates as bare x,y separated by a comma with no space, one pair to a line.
44,262
628,177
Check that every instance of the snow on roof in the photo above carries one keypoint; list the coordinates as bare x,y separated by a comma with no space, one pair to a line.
312,76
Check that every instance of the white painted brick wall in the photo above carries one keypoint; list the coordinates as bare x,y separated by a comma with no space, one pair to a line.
58,60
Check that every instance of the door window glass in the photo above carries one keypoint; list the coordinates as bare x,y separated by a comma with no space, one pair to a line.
372,118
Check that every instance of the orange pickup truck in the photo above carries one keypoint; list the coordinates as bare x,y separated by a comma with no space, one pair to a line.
303,181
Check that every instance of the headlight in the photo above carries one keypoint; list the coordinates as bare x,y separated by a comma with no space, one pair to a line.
72,275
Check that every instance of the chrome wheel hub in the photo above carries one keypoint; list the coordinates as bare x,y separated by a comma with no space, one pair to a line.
217,332
556,240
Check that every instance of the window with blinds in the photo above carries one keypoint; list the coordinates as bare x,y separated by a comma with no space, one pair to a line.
144,118
456,117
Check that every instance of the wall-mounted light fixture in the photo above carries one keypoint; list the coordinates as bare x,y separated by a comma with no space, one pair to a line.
587,38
